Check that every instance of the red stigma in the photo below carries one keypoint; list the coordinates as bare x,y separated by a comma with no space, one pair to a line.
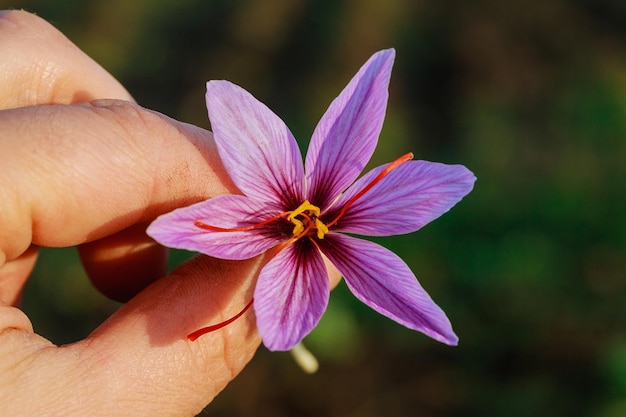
194,335
390,167
205,226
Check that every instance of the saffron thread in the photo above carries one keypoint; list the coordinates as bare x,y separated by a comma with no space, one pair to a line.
195,335
205,226
392,165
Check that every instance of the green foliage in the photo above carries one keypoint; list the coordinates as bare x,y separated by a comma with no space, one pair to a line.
530,267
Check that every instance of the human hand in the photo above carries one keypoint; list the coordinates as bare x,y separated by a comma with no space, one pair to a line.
94,174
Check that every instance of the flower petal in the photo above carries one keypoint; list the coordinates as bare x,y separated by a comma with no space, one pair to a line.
380,279
409,197
347,133
258,150
177,229
291,295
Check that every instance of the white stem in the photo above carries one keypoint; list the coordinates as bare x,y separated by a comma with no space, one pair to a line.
304,358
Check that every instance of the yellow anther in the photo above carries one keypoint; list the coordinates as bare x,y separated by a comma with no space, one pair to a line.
306,206
321,229
298,226
309,214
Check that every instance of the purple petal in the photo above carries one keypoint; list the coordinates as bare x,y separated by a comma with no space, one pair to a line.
257,149
291,295
409,197
380,279
347,133
177,229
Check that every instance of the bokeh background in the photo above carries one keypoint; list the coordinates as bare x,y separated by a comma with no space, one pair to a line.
530,267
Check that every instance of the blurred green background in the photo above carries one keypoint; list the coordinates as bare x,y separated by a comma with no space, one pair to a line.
530,267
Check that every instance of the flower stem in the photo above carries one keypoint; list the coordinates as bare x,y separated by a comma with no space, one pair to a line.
305,359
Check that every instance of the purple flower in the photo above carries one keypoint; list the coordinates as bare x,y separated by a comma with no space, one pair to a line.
301,211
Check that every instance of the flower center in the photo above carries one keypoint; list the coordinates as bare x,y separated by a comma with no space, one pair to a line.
306,220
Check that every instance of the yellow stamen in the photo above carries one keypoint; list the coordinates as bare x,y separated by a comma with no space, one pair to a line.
321,229
298,226
306,206
309,213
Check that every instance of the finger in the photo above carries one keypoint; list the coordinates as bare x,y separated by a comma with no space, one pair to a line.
139,362
75,174
40,65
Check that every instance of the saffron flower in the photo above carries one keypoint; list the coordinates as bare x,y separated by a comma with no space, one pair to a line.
300,211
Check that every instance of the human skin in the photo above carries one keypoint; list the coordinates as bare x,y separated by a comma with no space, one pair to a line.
82,165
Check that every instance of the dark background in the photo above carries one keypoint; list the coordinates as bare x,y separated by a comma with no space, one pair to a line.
530,267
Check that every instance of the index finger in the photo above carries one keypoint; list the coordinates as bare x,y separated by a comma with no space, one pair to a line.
74,174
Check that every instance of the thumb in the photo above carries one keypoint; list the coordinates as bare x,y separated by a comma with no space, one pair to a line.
139,362
145,343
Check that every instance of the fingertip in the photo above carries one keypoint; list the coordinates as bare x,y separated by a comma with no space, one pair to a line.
14,318
40,65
